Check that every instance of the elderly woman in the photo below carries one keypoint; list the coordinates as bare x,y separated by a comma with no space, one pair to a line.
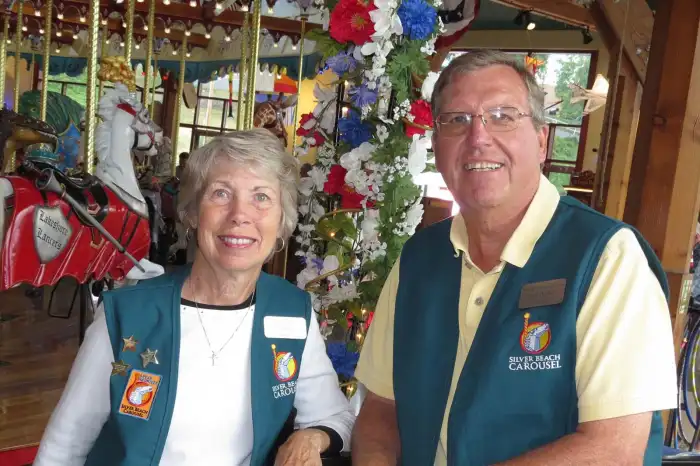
217,363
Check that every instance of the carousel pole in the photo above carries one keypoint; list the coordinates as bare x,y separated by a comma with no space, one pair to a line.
304,18
175,131
3,52
242,70
18,52
103,53
91,103
253,67
129,32
149,51
46,58
152,106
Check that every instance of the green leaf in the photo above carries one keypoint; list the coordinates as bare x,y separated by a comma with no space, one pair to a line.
325,43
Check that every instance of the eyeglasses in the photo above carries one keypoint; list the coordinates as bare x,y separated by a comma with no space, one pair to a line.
497,119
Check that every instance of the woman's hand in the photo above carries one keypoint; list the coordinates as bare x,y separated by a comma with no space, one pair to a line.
303,448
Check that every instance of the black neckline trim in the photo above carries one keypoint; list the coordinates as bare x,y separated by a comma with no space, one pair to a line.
217,307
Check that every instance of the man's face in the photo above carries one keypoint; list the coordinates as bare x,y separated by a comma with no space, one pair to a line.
486,167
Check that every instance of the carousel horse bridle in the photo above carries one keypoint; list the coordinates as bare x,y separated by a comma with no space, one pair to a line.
139,117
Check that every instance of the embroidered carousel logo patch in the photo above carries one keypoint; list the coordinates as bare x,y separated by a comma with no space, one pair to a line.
285,367
535,338
139,394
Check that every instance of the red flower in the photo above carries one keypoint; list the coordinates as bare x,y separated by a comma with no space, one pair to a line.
368,320
301,131
351,199
350,21
318,139
422,115
336,180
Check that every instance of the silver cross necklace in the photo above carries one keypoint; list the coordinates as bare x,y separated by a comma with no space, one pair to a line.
215,354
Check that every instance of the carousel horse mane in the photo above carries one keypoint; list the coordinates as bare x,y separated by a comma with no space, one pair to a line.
61,110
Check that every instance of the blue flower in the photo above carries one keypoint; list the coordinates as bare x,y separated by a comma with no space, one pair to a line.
363,95
342,63
353,130
418,19
344,361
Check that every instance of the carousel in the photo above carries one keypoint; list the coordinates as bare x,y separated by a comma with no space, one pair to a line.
90,178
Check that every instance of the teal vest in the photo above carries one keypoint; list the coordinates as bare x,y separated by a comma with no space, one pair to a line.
151,312
513,395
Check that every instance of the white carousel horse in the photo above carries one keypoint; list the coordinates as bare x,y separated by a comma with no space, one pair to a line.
52,235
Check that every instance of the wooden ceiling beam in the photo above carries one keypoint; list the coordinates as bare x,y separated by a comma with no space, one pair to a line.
632,22
558,10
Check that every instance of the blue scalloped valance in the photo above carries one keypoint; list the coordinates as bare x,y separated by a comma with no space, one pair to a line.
202,71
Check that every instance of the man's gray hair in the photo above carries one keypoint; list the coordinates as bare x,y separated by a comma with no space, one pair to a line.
480,59
256,149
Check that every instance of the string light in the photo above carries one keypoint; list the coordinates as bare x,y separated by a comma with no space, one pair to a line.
121,44
123,24
145,27
227,38
41,30
294,46
104,22
37,12
58,49
188,32
137,46
188,54
270,10
275,44
244,8
82,19
167,30
174,52
166,2
24,28
193,3
59,33
59,15
75,36
207,36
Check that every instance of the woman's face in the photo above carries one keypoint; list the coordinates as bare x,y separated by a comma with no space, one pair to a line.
239,217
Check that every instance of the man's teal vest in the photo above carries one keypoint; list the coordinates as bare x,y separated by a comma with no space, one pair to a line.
517,390
151,312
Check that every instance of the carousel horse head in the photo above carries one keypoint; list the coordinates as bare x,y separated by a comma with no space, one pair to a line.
18,132
126,127
270,115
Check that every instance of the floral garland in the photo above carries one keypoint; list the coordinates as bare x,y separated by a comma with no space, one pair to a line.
359,200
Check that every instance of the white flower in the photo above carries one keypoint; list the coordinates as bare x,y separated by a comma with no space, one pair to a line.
418,155
428,85
319,177
382,133
369,226
306,186
330,263
306,275
413,218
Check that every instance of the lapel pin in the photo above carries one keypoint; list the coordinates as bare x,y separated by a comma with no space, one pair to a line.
129,344
120,368
149,356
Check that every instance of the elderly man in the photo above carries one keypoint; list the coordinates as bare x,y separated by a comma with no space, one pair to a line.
527,330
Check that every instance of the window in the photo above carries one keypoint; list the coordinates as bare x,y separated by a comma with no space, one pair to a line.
210,116
213,114
556,73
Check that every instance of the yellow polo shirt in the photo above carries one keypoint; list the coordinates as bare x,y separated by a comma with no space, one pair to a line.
625,362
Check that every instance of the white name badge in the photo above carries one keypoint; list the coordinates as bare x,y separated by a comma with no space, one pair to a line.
291,328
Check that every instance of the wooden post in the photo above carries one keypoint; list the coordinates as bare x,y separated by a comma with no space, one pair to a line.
625,120
663,195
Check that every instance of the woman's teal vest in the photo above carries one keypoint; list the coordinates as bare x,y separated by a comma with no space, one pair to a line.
517,389
151,312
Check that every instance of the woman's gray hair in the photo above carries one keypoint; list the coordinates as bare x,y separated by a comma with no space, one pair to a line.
480,59
257,149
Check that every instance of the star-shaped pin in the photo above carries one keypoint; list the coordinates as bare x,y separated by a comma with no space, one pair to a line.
129,344
149,356
120,368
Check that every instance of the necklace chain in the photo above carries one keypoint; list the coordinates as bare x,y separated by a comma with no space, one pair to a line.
215,354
